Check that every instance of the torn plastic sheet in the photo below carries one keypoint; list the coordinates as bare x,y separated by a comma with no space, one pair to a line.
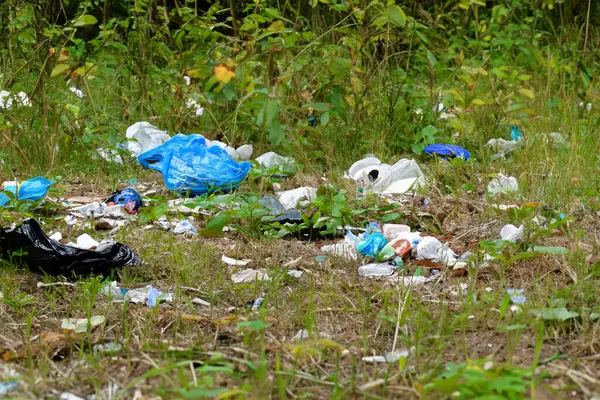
402,177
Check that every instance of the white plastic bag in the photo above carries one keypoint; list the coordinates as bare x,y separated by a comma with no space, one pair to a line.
144,136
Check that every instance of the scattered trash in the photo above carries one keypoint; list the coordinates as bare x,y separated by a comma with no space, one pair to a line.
33,189
402,247
389,357
10,386
110,347
411,280
391,231
192,104
199,301
558,140
143,137
255,304
502,147
273,161
295,273
320,259
81,325
85,242
188,165
588,106
290,199
69,396
345,249
110,155
515,134
147,294
234,262
517,296
430,248
97,210
28,244
7,99
502,184
278,211
242,153
511,233
184,227
56,236
300,336
372,244
128,198
377,269
76,92
402,177
446,151
250,275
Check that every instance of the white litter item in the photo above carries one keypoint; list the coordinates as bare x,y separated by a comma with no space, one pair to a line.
110,347
234,262
344,249
273,160
295,273
193,105
558,140
250,275
429,248
402,177
411,280
70,220
7,99
188,80
300,336
77,92
377,269
55,236
144,136
391,231
69,396
81,325
110,155
290,198
511,233
245,152
501,147
502,184
199,301
389,357
98,210
184,227
85,242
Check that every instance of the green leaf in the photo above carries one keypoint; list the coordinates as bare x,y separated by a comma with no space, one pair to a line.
276,134
85,20
556,314
58,70
319,107
551,249
324,118
396,16
215,226
256,325
527,93
390,217
431,58
160,210
197,392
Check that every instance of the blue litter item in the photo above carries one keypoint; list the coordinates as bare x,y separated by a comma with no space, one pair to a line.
128,198
517,296
4,199
7,387
372,244
188,165
153,295
33,189
515,133
312,121
447,151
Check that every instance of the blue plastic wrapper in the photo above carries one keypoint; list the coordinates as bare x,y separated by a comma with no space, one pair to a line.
447,151
372,244
129,198
33,189
153,295
187,165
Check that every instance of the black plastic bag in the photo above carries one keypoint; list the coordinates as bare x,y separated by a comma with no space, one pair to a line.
27,244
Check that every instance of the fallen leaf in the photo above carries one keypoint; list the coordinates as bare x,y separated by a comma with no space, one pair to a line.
223,73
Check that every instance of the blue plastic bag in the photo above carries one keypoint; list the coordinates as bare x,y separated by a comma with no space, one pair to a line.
188,165
372,244
447,151
129,198
33,189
